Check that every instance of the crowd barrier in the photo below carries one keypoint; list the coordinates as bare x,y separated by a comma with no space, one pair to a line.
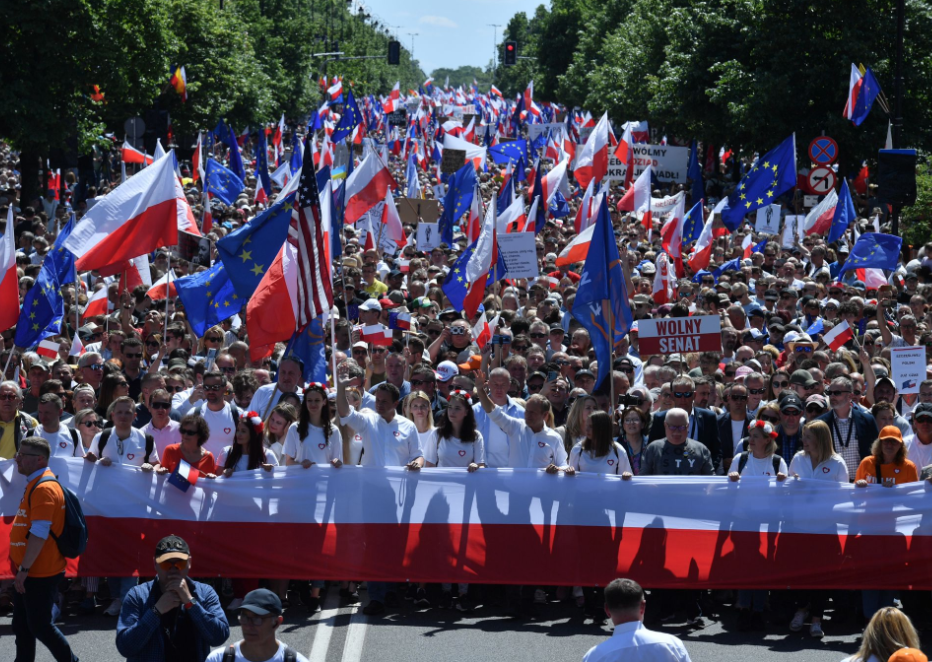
501,526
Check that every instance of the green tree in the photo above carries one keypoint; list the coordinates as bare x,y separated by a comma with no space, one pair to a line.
463,76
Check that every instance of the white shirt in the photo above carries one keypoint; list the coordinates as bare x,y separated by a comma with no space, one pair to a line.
535,450
243,463
615,462
833,468
314,447
217,655
130,451
454,452
384,444
222,427
498,450
756,466
60,442
918,452
260,399
632,642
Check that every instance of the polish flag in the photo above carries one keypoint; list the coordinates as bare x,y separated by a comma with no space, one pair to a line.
136,218
819,220
474,224
392,221
873,279
135,273
377,334
531,225
393,102
470,132
494,91
672,231
367,187
48,349
838,336
637,198
163,288
746,246
586,211
640,132
592,162
184,213
577,249
77,347
197,159
664,290
132,155
98,305
554,181
9,277
624,152
702,251
513,219
855,79
483,330
484,256
335,90
399,321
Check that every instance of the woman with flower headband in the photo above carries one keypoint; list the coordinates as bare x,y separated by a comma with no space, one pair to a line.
760,459
314,439
457,444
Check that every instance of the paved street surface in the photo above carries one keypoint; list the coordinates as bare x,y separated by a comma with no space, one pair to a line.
342,634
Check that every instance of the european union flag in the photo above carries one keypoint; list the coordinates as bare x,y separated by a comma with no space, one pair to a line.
509,151
693,223
349,120
870,88
208,298
248,251
603,284
694,173
458,199
455,285
42,312
541,140
844,213
774,173
817,327
262,163
699,274
236,159
411,177
297,156
59,260
506,196
223,183
309,345
558,206
760,246
874,250
731,265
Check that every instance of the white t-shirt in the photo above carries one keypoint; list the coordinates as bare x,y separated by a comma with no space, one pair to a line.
60,442
453,452
315,446
222,427
615,462
833,468
392,444
919,453
355,448
277,449
217,655
243,463
757,467
130,451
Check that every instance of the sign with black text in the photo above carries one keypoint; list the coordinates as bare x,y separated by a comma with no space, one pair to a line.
680,334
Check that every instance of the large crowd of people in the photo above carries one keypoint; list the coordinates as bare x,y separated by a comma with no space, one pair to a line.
146,391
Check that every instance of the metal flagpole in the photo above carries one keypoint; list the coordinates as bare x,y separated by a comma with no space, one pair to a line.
167,290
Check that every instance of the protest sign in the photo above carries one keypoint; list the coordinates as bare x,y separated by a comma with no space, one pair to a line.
194,248
520,254
768,220
908,367
668,163
680,334
398,118
414,210
534,130
453,160
789,230
428,237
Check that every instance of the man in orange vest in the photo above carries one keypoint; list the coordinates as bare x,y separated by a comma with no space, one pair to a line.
34,555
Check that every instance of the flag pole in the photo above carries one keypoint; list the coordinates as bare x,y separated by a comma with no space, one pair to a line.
167,288
607,304
333,343
268,407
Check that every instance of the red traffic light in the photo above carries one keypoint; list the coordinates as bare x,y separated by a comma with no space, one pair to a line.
510,47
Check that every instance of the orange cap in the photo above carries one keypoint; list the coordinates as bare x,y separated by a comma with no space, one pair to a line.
891,432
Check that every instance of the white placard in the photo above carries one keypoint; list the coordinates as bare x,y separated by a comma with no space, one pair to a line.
669,163
534,130
908,367
789,230
768,220
520,254
810,201
428,237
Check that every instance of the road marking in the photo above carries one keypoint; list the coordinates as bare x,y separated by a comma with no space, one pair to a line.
325,623
355,636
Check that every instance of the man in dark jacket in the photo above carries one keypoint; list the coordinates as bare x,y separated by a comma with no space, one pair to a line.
853,431
171,617
703,426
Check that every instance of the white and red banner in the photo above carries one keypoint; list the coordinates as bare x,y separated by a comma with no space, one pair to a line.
680,334
502,526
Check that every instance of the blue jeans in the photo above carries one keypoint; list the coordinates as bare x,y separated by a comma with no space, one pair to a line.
871,601
120,586
32,620
752,599
378,590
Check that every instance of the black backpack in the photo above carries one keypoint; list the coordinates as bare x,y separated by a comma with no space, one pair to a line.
229,655
73,539
743,460
105,437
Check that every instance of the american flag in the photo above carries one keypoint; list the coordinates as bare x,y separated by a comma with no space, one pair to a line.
306,234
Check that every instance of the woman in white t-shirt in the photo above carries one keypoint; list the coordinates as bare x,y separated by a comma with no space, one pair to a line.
760,459
314,439
816,461
598,452
276,428
418,410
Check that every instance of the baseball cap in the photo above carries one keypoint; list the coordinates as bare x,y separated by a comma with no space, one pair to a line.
474,363
908,655
262,602
884,380
802,378
371,304
791,401
386,303
583,373
171,547
361,345
557,327
922,409
891,432
817,399
447,370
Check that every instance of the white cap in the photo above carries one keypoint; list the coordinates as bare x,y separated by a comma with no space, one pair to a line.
370,304
361,345
447,370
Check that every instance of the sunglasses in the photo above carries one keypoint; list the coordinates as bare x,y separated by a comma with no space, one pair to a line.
519,348
230,369
814,409
730,373
151,343
213,339
739,398
421,382
789,412
188,432
96,366
213,387
830,393
779,384
682,394
133,356
9,396
769,419
91,424
178,564
677,428
538,336
160,405
756,391
174,389
432,332
803,350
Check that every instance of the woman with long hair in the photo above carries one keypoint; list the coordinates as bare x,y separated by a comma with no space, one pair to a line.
314,439
417,409
635,426
598,452
574,430
113,386
888,631
276,428
458,444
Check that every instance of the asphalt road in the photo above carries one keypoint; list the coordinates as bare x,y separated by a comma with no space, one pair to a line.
342,634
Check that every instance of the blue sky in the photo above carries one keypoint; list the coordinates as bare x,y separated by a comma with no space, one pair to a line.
449,34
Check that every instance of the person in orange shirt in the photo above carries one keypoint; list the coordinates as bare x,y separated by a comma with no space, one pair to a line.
38,564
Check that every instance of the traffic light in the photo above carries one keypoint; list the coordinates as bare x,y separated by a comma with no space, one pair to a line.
394,52
511,53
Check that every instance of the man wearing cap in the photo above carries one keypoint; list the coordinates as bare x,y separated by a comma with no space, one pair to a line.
370,311
38,374
260,617
919,443
853,430
885,391
789,439
446,371
172,617
803,383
